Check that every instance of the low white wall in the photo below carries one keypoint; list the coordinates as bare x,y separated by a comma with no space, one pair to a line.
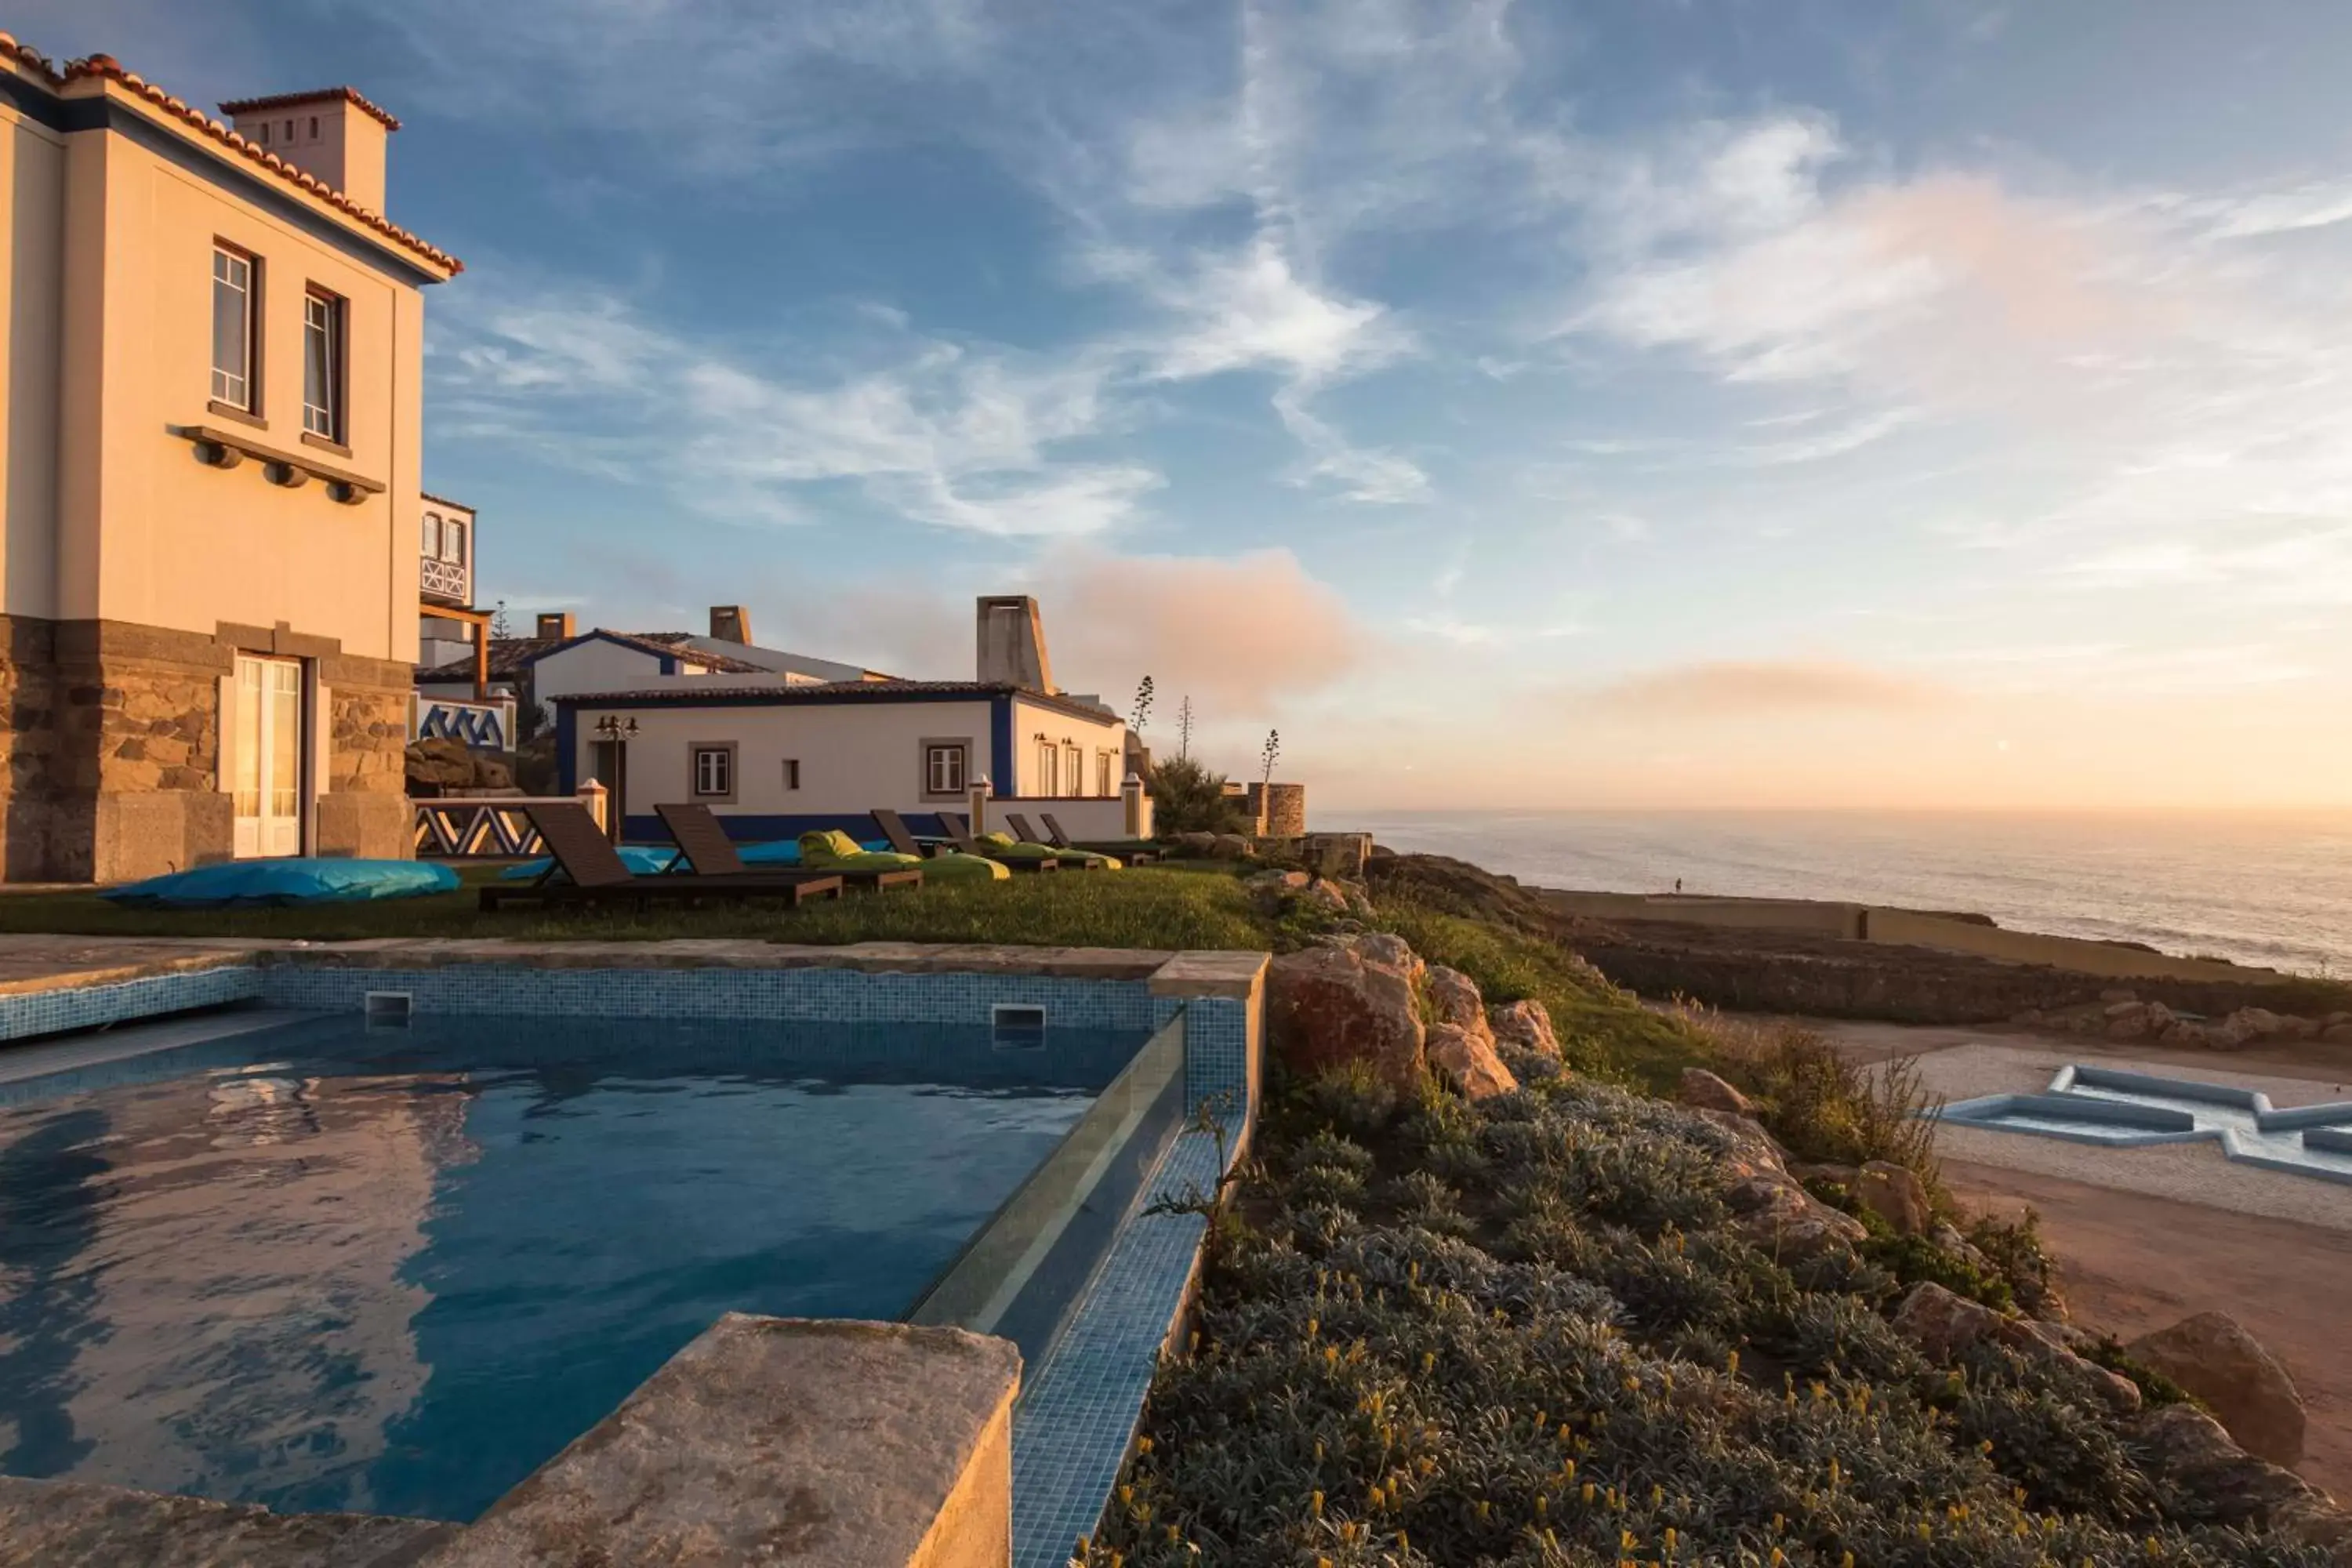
1090,819
853,757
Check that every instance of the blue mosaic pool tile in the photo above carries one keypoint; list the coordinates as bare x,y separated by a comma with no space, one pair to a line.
837,995
1079,1414
1217,1067
32,1012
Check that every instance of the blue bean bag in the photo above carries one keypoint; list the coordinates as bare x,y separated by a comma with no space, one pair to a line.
254,884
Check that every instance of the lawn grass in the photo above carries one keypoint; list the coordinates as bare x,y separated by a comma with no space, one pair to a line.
1604,1031
1149,907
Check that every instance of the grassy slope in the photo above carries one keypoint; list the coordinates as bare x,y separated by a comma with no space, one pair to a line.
1140,907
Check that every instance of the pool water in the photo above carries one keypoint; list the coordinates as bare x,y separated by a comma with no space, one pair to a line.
392,1270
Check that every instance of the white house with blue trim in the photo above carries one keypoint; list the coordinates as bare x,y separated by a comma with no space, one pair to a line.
775,759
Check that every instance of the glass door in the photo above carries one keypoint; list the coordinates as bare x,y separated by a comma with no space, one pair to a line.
268,741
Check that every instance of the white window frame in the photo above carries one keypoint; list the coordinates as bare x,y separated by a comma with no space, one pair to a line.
239,272
324,316
945,768
1106,773
431,541
454,541
1073,768
710,770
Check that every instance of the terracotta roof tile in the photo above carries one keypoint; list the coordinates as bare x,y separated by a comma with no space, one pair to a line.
351,95
107,67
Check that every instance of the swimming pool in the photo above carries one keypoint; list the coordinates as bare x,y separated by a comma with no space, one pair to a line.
334,1267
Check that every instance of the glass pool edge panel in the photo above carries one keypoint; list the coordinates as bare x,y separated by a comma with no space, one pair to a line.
1024,1270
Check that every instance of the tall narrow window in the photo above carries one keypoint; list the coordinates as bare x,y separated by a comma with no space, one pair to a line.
452,542
233,329
322,366
432,550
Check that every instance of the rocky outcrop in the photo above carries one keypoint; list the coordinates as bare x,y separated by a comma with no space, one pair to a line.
1895,1196
1942,1325
438,764
1524,1025
1453,997
1705,1090
2216,1360
2123,1016
1385,951
2192,1455
1329,1006
1467,1062
1773,1210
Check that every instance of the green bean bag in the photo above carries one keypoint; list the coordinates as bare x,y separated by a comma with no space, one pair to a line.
1004,846
834,850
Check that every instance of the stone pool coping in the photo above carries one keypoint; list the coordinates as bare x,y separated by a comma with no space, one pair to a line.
1069,1430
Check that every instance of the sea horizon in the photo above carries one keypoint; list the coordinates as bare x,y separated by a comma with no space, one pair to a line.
2267,886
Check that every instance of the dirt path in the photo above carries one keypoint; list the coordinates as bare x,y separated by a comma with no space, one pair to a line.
2131,1263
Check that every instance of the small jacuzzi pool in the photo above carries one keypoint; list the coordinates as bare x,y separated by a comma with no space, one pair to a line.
331,1266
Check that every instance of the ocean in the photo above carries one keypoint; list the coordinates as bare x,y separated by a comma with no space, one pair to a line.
2266,887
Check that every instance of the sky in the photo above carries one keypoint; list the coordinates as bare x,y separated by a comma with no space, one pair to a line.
1727,402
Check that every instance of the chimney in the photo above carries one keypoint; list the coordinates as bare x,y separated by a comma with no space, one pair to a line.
555,624
1013,644
730,623
333,135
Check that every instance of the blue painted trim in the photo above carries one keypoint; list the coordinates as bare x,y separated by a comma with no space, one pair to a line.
223,169
567,750
781,696
1000,744
668,665
750,827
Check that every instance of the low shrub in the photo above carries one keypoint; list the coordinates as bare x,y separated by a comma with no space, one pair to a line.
1820,1104
1525,1334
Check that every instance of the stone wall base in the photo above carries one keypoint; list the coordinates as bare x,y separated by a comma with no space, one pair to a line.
109,756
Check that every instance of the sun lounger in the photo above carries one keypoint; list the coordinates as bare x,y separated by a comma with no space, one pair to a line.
595,873
894,830
1061,840
702,840
1084,860
959,834
834,850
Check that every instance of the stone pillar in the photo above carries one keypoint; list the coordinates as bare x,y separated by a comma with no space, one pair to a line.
362,802
592,796
980,794
1137,806
1280,809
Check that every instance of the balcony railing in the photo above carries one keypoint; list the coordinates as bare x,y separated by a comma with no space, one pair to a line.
447,580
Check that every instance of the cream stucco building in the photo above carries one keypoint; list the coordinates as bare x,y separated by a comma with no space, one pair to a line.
210,589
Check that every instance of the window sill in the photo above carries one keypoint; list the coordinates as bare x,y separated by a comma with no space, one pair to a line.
231,411
324,445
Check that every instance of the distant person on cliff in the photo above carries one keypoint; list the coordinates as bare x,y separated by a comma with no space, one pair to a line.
1678,884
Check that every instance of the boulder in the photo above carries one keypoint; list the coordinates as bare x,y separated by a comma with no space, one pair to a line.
2214,1358
1195,844
1895,1196
1319,894
1326,1007
2114,995
2126,1021
1384,950
1278,883
1947,1236
1703,1089
1453,995
1774,1212
1230,846
1468,1062
2190,1454
1526,1024
2337,1034
1943,1324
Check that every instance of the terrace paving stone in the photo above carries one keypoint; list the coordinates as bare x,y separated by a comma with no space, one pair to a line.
39,962
780,1441
75,1524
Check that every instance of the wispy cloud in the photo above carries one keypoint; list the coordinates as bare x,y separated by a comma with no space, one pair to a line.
959,436
1735,689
